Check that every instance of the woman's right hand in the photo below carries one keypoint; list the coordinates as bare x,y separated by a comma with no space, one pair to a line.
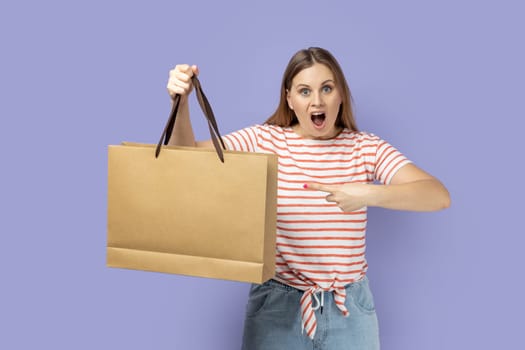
179,81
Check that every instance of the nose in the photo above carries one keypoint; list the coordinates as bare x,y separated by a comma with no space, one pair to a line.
317,99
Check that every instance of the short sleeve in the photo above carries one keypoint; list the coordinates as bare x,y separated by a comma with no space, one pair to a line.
244,140
388,161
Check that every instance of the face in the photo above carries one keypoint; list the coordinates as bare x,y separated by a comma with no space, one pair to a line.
315,99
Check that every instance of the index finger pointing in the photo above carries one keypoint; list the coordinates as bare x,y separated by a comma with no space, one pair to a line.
320,187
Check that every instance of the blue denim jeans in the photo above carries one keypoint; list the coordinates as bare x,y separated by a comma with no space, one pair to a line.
273,320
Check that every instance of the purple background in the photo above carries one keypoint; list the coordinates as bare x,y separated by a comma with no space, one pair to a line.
440,80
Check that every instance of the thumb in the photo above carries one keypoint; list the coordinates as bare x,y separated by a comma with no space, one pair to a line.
320,187
195,70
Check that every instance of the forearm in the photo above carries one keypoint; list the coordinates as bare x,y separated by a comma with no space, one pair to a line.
419,195
182,134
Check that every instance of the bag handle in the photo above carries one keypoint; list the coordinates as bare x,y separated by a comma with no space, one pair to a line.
208,113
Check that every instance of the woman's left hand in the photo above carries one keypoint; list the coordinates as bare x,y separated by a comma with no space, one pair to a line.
349,197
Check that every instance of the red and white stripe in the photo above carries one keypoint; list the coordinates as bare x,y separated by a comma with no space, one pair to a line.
319,247
309,321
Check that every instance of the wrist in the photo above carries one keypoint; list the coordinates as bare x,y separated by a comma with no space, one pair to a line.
374,195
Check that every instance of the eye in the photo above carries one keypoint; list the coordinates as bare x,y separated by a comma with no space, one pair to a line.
327,89
304,92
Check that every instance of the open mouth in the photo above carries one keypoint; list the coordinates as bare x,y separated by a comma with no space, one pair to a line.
318,119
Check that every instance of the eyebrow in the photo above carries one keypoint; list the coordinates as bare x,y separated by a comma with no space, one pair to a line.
324,82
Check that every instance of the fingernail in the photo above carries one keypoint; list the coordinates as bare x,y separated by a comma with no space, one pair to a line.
305,186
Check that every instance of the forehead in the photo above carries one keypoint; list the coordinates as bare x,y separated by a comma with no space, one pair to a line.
314,75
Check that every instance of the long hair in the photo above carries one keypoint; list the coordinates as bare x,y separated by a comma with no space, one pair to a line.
284,116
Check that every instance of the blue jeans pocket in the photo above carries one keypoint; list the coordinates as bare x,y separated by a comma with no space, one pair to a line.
361,295
258,298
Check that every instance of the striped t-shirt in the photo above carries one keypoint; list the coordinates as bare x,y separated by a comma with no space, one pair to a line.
319,247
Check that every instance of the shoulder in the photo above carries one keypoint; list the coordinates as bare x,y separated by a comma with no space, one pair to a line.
263,132
271,131
359,137
271,128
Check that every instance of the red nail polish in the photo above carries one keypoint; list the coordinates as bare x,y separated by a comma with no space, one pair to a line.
305,186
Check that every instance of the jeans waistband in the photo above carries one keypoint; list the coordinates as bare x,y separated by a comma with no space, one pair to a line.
284,286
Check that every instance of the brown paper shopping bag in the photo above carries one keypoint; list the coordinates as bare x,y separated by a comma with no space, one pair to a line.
191,212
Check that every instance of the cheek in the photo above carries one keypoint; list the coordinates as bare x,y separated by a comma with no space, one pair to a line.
336,105
296,105
337,100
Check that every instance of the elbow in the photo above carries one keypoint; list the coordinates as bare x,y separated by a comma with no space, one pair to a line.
441,195
438,198
444,201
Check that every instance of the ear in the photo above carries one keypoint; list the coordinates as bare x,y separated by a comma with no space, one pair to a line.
289,99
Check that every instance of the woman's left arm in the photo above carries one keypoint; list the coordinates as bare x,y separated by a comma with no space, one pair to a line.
411,188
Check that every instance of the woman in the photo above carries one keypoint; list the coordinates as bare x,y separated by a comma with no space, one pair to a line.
329,173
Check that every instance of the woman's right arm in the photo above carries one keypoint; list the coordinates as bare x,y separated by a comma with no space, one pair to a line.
179,82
